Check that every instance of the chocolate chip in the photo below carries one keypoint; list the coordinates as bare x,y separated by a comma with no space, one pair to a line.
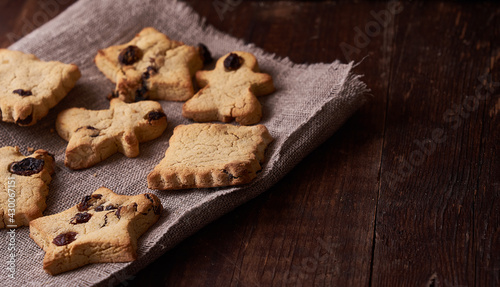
155,115
99,208
97,196
64,238
130,55
26,121
233,62
81,218
135,206
22,92
205,54
27,166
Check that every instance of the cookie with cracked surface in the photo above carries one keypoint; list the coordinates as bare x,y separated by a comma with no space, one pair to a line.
24,187
229,91
151,66
96,135
211,155
29,87
103,227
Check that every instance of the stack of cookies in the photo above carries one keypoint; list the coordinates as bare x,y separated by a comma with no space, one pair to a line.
104,226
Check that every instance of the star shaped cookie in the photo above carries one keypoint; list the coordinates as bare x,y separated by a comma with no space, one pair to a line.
229,91
210,155
151,66
96,135
103,227
24,185
30,87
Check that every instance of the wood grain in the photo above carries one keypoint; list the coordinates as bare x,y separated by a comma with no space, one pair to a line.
376,204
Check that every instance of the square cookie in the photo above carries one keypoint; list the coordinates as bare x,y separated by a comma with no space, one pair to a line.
211,155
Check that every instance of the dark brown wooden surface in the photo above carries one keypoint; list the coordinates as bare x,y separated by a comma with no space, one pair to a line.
377,204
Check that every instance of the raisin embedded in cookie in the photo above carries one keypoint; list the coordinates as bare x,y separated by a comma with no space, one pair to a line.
151,66
210,155
229,92
30,87
24,185
102,227
96,135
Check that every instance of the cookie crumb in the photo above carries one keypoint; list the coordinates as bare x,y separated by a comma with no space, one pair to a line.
95,174
30,149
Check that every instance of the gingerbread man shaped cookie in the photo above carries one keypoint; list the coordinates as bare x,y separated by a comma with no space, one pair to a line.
151,66
229,92
96,135
103,227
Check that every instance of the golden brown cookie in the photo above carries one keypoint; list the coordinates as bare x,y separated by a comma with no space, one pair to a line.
30,87
103,227
96,135
229,91
151,66
24,185
210,155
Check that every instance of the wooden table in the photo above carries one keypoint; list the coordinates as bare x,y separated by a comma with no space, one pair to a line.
406,193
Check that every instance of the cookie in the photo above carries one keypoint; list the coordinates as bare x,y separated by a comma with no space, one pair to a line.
24,185
103,227
30,87
229,91
210,155
151,66
96,135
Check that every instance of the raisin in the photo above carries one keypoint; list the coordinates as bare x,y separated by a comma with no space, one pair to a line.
64,238
95,132
130,55
84,204
113,95
99,208
205,54
117,212
26,121
233,62
229,175
156,207
109,207
22,92
27,166
155,115
141,93
81,218
150,71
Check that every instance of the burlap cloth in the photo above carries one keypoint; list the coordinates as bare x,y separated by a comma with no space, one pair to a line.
310,103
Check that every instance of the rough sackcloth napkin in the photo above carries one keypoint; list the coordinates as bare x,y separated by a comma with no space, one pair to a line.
310,103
